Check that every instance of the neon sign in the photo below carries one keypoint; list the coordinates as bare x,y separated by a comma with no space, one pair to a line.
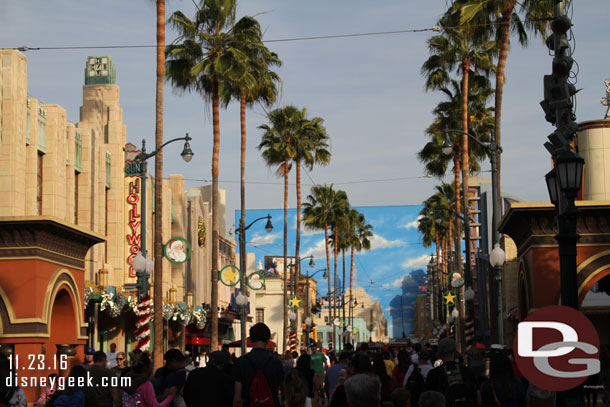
134,235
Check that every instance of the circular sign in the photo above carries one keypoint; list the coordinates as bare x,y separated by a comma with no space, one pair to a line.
456,279
557,348
177,250
294,301
256,280
229,275
449,297
337,322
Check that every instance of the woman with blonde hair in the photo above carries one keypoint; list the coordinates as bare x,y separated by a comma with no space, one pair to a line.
295,391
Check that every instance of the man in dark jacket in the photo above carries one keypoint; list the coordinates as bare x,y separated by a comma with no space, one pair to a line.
451,378
209,386
172,374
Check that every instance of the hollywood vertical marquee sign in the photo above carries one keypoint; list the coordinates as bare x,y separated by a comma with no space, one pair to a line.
133,221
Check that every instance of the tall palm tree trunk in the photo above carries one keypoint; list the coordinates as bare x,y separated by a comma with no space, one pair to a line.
465,153
297,245
158,270
458,205
351,278
330,315
215,231
286,268
504,44
335,253
343,293
242,190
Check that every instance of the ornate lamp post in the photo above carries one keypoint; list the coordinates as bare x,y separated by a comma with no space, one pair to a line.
141,263
241,299
308,321
493,150
563,184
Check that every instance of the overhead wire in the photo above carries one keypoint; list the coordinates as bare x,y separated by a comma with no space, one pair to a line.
435,28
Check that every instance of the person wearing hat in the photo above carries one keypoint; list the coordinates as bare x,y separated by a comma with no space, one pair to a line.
451,378
172,374
209,386
89,351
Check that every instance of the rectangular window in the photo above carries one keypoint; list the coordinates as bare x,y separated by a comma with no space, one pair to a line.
78,152
107,195
108,167
42,130
326,319
39,183
260,315
76,173
320,337
27,123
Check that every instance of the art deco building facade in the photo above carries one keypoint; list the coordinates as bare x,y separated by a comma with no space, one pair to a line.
74,175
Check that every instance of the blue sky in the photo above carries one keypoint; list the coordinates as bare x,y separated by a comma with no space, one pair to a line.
384,271
368,90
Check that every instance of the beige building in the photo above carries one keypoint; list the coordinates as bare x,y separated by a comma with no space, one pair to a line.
75,172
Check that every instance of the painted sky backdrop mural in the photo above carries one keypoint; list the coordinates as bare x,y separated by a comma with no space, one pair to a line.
386,271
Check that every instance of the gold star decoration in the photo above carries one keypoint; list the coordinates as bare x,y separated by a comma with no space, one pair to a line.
231,276
295,302
449,298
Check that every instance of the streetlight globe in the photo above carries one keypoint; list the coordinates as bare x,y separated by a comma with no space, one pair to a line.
150,266
187,153
324,275
308,321
469,294
292,315
241,299
139,262
447,147
455,313
268,226
497,256
311,263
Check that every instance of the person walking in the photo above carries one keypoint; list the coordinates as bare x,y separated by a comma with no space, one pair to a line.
210,381
452,378
363,390
101,376
307,373
295,391
257,374
502,389
332,373
172,374
121,367
141,392
318,363
111,356
400,370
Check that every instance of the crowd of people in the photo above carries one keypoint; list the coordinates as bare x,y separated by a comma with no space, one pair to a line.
415,376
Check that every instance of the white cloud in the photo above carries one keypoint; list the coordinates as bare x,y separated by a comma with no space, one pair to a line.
415,262
412,224
264,239
318,250
380,242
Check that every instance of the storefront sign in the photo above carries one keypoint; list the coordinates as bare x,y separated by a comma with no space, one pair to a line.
134,235
177,250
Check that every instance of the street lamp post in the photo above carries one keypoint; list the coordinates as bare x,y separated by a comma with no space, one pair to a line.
493,149
242,300
142,263
308,318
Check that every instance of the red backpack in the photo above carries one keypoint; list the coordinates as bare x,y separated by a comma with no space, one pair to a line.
260,392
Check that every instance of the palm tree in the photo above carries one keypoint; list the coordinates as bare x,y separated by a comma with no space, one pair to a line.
448,116
259,84
339,210
461,50
501,15
319,212
359,239
206,56
158,255
277,144
311,147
